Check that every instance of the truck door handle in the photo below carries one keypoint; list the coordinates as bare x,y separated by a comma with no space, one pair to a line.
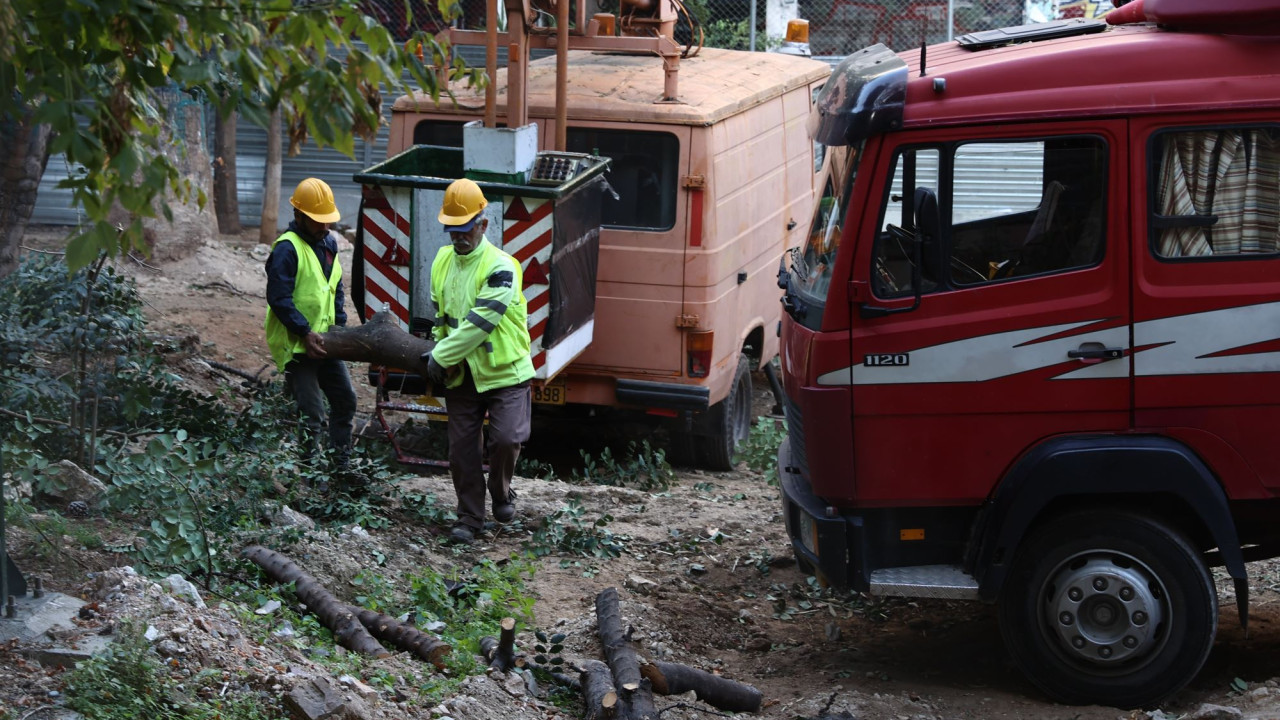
1095,351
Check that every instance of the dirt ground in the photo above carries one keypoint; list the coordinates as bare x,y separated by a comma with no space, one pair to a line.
707,579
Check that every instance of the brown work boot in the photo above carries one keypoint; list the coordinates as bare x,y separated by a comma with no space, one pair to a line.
462,535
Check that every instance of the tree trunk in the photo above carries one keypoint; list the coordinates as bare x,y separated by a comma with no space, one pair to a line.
271,183
598,693
617,651
639,705
674,679
225,203
335,615
379,341
25,148
501,651
404,637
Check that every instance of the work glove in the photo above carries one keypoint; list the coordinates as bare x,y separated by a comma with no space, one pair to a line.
435,371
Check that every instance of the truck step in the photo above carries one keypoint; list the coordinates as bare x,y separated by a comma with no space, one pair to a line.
932,581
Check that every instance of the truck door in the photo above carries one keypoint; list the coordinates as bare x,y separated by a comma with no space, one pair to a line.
1021,331
1207,294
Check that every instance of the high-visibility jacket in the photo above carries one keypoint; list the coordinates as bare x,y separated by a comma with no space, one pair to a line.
481,316
313,295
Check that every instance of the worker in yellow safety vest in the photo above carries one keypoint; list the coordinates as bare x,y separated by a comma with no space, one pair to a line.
304,299
481,358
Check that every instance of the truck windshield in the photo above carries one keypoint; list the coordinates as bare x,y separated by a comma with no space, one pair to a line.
812,265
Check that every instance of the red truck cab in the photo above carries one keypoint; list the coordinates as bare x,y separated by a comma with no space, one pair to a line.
1031,345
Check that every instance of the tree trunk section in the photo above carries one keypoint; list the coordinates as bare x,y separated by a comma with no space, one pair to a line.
226,204
501,651
639,705
335,615
598,693
404,637
269,229
728,695
379,341
25,148
619,654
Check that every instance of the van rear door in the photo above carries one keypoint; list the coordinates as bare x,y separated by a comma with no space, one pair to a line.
640,281
1022,329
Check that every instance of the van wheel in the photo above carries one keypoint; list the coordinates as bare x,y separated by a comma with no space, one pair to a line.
1109,607
730,421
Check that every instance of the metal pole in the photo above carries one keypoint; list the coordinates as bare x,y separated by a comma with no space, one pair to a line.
562,74
4,548
951,19
753,25
491,65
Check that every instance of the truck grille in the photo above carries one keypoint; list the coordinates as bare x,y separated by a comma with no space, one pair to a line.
795,431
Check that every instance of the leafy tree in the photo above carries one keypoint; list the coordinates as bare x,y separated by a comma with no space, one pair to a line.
80,77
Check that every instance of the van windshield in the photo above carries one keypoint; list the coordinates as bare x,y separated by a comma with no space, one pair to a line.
812,265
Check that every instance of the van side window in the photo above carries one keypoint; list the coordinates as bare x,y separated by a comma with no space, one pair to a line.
444,133
1006,210
644,174
1215,193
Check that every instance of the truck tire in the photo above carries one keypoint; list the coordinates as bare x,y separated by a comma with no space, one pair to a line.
730,421
1108,607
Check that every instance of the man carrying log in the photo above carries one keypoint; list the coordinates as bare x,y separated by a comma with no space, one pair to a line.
481,358
305,298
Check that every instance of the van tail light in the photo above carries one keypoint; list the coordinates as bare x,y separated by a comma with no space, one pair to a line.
699,346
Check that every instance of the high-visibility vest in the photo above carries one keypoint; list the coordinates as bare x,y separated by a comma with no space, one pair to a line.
500,359
313,295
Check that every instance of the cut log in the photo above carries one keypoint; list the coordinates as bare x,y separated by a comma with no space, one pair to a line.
379,341
598,693
404,637
501,651
617,652
728,695
335,615
639,705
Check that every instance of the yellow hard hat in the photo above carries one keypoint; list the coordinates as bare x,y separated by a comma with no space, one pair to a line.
314,198
463,201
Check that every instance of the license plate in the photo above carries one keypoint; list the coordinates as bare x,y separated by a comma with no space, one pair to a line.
553,394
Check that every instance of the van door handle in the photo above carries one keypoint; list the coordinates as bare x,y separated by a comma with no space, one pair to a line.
1095,351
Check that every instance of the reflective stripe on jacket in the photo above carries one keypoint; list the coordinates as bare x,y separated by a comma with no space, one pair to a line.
481,316
313,295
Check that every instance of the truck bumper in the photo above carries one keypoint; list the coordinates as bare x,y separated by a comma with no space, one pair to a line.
822,538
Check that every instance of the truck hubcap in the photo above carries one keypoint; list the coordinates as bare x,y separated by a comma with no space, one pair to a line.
1107,608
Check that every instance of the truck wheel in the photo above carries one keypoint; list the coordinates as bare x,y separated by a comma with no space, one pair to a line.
730,421
1108,607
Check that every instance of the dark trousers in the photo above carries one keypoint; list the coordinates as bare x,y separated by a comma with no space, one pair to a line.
509,411
311,381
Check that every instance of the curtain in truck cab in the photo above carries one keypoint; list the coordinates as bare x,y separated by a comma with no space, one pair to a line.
1218,193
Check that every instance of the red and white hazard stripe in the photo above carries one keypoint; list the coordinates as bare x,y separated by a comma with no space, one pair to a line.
526,236
387,233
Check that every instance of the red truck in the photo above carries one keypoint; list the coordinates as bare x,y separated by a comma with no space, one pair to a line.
1031,348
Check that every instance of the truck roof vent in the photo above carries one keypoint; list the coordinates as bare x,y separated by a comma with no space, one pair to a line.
1030,33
